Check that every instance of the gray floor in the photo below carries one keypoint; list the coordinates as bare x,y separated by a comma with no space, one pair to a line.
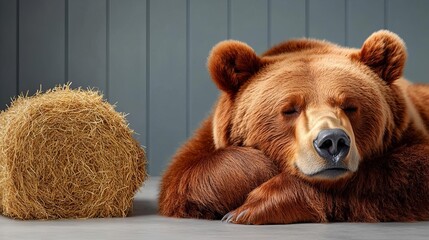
146,224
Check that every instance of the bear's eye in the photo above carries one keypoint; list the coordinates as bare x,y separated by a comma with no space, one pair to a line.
290,111
349,109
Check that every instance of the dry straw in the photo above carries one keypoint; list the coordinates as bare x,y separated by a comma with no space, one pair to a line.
67,154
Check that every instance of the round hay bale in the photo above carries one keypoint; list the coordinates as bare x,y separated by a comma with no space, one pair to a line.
67,154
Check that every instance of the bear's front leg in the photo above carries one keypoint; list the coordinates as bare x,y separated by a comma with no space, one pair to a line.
215,184
282,199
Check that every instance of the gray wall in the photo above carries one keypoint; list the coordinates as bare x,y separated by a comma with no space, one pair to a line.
149,56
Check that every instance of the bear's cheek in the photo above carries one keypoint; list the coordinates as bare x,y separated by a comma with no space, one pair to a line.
369,132
274,138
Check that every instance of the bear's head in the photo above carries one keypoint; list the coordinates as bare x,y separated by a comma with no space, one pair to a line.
317,109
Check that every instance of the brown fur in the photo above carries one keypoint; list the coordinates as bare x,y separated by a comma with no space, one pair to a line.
253,159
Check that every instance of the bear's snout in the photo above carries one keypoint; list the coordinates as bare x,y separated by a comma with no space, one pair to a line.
327,148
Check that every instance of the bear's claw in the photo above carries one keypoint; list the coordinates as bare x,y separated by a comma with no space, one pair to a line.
228,217
232,217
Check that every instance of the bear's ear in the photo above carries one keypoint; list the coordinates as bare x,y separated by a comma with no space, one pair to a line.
385,53
231,63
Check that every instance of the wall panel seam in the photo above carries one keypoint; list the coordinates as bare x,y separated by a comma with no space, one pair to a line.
307,18
66,41
148,83
346,22
228,16
107,93
188,39
268,23
17,47
386,14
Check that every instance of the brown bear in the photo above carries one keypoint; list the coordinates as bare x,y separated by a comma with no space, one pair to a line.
308,132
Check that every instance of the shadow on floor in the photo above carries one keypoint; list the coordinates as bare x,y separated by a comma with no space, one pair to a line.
144,207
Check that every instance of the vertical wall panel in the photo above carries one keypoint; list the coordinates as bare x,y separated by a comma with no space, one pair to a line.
8,41
249,23
167,87
127,65
87,43
327,20
364,18
41,44
287,20
410,19
202,91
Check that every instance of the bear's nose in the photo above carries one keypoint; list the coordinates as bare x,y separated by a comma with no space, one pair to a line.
332,144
